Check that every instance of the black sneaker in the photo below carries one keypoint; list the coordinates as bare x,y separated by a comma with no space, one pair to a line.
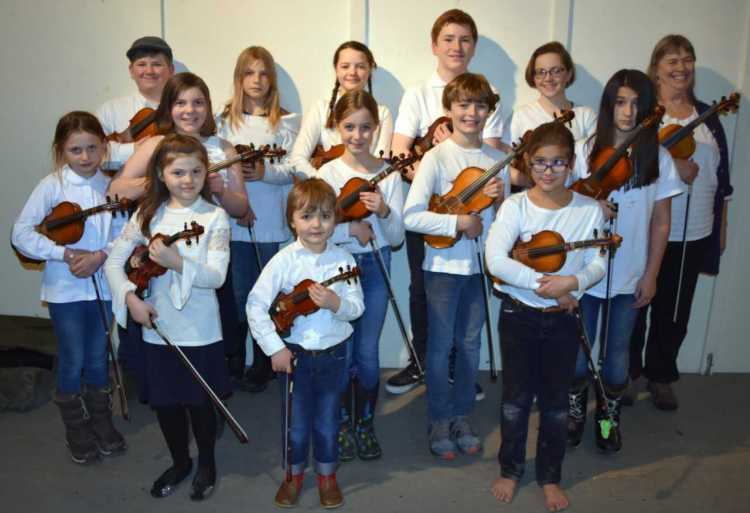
405,380
479,392
368,447
347,443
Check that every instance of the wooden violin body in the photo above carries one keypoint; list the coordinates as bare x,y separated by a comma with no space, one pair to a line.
287,307
321,156
682,149
424,144
451,203
65,233
141,125
600,186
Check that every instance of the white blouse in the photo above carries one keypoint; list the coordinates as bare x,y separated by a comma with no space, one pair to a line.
59,285
267,196
314,132
186,303
321,329
389,231
529,116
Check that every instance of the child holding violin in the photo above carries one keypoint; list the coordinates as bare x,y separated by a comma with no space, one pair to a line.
254,116
454,39
150,67
83,394
185,109
550,71
639,210
356,116
182,301
538,337
314,352
455,308
353,64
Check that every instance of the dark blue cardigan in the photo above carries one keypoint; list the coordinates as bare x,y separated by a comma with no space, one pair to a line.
712,256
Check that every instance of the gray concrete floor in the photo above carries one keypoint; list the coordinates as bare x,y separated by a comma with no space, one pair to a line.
694,459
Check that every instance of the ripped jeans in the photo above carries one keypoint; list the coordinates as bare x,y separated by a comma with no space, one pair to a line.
539,356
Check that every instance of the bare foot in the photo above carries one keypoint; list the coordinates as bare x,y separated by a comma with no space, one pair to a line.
504,489
555,498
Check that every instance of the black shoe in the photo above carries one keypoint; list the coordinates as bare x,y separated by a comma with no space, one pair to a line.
368,447
478,392
578,397
204,483
347,443
405,380
255,381
608,437
167,483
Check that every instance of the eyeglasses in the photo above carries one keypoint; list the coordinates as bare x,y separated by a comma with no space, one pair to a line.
553,72
557,166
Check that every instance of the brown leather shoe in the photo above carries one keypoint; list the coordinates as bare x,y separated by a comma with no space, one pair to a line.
330,495
288,494
662,395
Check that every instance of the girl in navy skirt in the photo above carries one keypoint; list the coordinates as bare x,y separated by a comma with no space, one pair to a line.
182,301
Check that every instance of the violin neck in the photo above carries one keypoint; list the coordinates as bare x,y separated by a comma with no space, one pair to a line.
137,128
619,152
485,177
248,156
83,214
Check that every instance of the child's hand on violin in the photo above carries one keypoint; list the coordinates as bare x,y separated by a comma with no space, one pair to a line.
687,169
140,311
373,201
216,184
567,303
362,231
165,256
554,286
442,132
248,219
494,188
609,209
253,171
324,297
281,361
83,264
470,225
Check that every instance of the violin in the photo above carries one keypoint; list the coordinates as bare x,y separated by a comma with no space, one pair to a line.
422,145
612,165
321,156
66,221
466,195
287,307
520,162
348,204
250,154
546,251
140,268
679,139
141,125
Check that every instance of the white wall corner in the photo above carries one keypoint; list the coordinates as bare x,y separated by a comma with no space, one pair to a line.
359,21
561,18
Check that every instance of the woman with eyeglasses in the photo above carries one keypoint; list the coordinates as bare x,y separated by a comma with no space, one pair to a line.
641,217
550,71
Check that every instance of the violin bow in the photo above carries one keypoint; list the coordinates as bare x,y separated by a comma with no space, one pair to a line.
255,247
288,420
608,294
396,311
487,318
684,251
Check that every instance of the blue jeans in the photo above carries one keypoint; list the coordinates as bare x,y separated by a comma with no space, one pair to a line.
362,355
621,323
244,269
315,408
82,344
455,312
539,354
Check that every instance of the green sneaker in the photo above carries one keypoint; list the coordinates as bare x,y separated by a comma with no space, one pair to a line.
368,447
347,443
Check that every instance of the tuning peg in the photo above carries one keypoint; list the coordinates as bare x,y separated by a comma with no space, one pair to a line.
596,233
188,242
197,239
607,232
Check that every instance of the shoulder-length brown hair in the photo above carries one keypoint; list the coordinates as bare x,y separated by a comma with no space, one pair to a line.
176,85
169,148
671,43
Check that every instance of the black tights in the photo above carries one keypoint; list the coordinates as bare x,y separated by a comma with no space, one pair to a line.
173,422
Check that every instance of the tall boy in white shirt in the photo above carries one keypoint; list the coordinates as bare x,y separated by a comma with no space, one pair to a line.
454,39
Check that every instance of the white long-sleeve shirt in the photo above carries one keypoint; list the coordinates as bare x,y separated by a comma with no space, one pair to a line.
313,132
321,329
389,231
59,285
519,218
529,116
268,196
188,311
115,116
438,170
633,221
422,104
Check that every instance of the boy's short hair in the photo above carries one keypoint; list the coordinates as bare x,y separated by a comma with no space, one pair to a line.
551,134
470,86
147,46
309,195
552,47
458,17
